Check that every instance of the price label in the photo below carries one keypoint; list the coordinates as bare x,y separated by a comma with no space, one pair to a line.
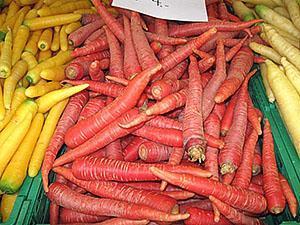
182,10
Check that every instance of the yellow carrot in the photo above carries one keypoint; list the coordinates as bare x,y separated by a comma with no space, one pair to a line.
268,3
31,45
33,76
25,82
19,43
44,43
287,100
18,71
38,5
63,39
282,11
50,99
85,11
72,27
31,14
67,7
2,108
49,2
12,141
264,75
51,21
44,55
7,205
39,90
16,171
19,20
265,51
277,20
2,18
45,137
293,9
55,41
28,2
5,59
18,98
29,59
292,73
60,2
9,23
12,10
55,73
283,47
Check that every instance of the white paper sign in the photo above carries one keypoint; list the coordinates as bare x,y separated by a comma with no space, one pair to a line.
182,10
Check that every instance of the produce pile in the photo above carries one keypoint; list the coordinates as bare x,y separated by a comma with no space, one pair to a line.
281,71
155,122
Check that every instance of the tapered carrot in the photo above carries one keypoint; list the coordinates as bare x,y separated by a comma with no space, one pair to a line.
64,196
125,171
116,108
253,116
100,33
176,72
239,67
116,54
193,134
122,192
144,52
156,47
161,28
165,40
91,107
94,47
213,85
244,172
19,43
234,196
6,54
228,116
233,51
256,166
164,122
232,214
271,183
289,195
68,119
110,21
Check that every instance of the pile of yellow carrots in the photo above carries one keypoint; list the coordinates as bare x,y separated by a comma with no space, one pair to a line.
281,70
34,52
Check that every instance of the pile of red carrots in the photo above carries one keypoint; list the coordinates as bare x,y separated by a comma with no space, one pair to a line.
167,130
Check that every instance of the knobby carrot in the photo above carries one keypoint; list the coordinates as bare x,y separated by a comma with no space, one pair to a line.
64,196
68,119
271,183
193,134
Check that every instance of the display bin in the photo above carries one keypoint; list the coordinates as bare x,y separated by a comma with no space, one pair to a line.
36,209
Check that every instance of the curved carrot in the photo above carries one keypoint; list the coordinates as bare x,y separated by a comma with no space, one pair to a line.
64,196
234,196
87,128
193,134
232,214
116,54
271,183
131,63
110,21
234,50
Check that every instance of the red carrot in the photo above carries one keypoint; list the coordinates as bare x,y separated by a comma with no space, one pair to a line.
97,45
211,11
289,195
131,63
212,127
101,153
213,85
95,71
144,52
222,11
161,28
109,89
156,46
70,216
77,37
121,221
257,179
152,152
64,196
54,213
85,129
127,13
256,188
76,71
68,119
179,195
165,40
219,110
114,150
193,134
234,50
259,59
231,155
131,152
110,21
89,18
256,166
164,122
191,29
176,72
118,80
239,67
228,178
211,44
100,33
89,168
271,183
205,78
122,192
92,57
234,196
204,204
203,217
244,172
116,54
253,116
232,214
228,116
206,63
